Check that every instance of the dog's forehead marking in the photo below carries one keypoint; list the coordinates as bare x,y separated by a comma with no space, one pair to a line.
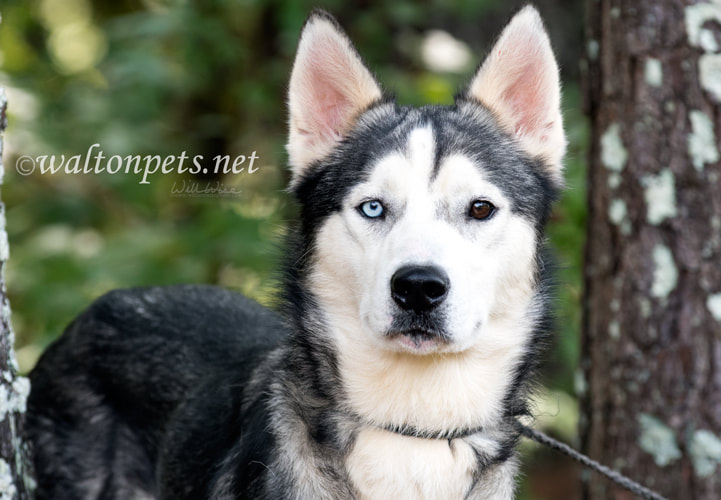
421,149
406,171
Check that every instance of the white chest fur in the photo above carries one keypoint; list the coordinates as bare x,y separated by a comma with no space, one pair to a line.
384,465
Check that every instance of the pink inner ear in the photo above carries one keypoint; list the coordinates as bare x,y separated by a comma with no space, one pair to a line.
332,108
331,103
525,98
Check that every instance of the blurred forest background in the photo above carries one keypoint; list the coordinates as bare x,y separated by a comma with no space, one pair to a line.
159,77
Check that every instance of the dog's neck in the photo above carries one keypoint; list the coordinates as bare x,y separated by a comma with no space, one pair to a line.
443,395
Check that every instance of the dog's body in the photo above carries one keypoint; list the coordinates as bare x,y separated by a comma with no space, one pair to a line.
415,301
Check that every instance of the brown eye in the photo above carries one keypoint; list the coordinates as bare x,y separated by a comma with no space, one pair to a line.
481,209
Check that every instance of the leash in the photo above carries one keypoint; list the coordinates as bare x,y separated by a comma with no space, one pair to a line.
618,478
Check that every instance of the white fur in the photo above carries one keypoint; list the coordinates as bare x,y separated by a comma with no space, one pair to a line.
383,465
329,86
489,306
519,82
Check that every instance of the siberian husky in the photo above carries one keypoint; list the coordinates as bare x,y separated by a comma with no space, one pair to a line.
415,303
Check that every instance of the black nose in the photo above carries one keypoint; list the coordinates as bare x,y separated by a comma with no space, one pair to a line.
419,288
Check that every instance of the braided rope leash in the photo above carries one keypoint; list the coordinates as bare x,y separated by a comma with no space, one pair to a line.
616,477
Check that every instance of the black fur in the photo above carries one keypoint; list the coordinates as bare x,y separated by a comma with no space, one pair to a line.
103,396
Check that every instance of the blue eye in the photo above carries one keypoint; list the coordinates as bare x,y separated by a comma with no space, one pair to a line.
372,209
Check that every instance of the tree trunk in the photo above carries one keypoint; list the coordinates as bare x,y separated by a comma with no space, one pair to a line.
14,473
652,325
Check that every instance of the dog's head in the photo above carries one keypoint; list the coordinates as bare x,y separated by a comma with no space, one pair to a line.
424,224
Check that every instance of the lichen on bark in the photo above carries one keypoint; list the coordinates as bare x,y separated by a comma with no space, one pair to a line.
15,476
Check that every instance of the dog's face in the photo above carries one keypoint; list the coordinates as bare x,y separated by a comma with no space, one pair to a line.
425,222
429,243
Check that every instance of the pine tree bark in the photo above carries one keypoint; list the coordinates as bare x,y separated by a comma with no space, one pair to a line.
15,480
651,354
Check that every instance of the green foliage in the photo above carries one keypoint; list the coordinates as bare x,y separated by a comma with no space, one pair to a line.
160,77
567,235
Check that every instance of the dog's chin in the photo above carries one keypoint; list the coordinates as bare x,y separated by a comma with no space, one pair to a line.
417,342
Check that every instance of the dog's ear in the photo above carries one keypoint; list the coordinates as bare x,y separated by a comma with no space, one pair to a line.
329,87
519,82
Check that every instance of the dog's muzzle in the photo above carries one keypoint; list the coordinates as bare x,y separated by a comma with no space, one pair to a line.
419,288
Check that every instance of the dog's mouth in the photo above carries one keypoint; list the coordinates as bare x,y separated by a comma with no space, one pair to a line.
417,341
418,333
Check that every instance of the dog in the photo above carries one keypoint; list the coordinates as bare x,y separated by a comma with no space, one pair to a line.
416,304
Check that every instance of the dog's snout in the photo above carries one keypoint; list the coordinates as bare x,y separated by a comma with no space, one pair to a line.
419,288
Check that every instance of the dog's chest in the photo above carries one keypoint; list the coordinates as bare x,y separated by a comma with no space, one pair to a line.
383,465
